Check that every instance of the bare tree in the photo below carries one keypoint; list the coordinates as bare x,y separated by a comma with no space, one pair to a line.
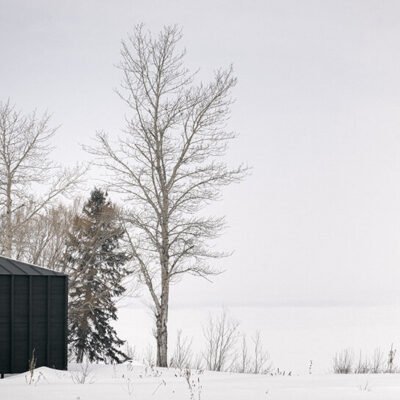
261,364
168,165
41,240
243,359
182,356
25,168
221,334
255,360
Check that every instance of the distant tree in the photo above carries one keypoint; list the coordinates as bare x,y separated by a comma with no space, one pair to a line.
41,240
243,359
261,361
182,356
220,334
95,262
168,166
252,360
25,171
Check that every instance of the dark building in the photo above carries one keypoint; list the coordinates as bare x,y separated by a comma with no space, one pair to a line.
33,317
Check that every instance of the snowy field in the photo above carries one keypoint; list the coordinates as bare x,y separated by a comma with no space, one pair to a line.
292,335
125,382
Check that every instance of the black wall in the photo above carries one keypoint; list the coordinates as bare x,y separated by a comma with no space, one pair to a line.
33,317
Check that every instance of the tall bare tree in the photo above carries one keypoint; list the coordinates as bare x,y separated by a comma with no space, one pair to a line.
29,180
168,164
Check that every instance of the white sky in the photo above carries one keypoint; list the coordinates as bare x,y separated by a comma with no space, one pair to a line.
318,101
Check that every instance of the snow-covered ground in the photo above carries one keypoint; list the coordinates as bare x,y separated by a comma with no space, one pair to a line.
140,383
292,335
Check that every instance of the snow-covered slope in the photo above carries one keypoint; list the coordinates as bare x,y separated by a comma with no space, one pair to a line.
125,382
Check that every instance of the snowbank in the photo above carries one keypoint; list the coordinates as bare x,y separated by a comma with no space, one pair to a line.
135,381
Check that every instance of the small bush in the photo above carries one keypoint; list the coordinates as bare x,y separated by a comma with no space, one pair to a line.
83,375
343,362
363,365
182,356
391,367
377,362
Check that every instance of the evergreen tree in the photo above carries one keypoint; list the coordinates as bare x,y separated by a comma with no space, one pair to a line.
95,262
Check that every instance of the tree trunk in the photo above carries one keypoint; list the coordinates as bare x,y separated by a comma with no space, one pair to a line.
162,315
162,328
79,357
162,340
8,234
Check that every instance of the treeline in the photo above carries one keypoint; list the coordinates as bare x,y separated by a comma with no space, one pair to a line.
44,221
166,167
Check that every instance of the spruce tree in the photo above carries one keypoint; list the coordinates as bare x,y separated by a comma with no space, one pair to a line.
95,262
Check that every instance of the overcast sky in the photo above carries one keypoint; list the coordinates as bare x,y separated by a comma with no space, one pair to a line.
318,112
